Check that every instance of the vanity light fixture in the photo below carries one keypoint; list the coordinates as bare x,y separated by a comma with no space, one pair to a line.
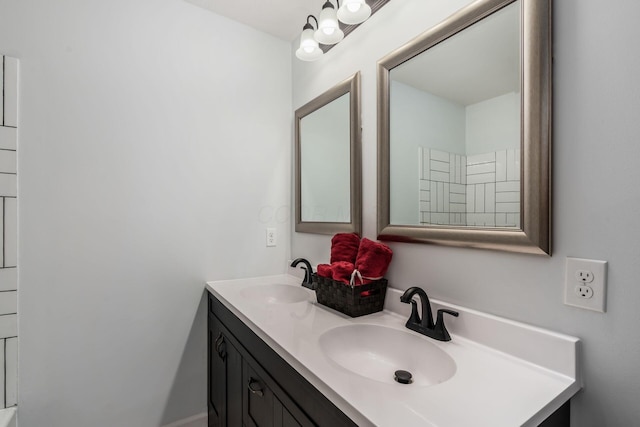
354,12
309,49
327,30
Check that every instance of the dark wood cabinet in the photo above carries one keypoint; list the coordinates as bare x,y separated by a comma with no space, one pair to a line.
250,385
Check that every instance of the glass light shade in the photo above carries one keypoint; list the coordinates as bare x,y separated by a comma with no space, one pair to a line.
309,49
329,31
354,12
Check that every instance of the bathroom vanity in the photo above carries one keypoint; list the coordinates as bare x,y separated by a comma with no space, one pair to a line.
277,358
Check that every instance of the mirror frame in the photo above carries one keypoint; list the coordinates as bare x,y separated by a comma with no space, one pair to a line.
534,235
350,85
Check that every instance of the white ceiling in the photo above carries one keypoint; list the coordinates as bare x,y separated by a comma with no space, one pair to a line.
478,64
281,18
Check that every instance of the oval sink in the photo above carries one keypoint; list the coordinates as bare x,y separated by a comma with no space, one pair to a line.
276,293
377,352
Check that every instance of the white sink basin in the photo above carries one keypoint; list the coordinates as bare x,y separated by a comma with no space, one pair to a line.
377,352
276,293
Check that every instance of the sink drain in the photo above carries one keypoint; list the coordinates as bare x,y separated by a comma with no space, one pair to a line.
403,377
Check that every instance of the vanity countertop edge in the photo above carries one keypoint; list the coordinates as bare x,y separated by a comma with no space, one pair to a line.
508,372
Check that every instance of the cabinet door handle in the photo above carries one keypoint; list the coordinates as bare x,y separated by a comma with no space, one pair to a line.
255,387
222,352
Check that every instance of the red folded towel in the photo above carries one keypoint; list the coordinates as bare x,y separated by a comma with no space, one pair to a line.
344,247
342,271
372,261
325,270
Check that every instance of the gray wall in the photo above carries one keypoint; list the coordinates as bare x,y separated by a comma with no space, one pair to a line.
154,151
596,199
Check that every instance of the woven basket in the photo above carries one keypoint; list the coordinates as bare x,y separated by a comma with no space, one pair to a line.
353,301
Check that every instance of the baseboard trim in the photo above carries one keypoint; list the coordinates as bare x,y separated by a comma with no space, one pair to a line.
199,420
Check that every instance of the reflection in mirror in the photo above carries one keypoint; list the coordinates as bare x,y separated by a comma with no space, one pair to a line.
324,163
464,131
328,161
455,118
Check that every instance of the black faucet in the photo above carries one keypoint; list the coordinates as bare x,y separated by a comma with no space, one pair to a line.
425,326
306,282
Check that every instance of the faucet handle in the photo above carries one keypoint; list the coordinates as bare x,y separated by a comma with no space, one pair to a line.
440,328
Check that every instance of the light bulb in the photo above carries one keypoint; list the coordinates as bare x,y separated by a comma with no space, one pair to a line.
329,31
354,12
309,49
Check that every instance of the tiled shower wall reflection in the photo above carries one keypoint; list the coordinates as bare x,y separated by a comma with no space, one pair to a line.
480,190
8,232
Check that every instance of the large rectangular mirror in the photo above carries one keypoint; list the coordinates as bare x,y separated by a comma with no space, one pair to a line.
464,113
328,165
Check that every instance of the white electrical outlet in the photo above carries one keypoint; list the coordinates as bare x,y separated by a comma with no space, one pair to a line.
586,284
271,237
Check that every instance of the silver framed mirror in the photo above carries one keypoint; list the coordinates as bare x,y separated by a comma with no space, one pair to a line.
464,131
328,167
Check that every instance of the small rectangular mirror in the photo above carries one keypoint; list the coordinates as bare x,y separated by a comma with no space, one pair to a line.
328,165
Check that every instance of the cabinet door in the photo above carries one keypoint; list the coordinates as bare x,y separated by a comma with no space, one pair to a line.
284,418
257,404
225,375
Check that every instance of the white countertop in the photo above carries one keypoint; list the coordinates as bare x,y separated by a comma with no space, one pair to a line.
507,373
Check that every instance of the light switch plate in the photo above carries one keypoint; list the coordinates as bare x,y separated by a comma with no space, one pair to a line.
586,284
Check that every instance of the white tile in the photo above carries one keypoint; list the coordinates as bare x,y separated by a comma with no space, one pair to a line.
440,197
2,378
439,176
437,165
8,326
10,232
471,198
481,158
424,185
490,197
425,207
434,196
426,218
457,207
501,220
457,198
8,137
8,185
10,91
445,192
8,302
508,196
426,162
8,162
11,375
458,188
508,207
481,168
1,85
8,279
2,231
481,219
452,168
507,186
479,198
425,195
513,219
501,165
442,156
513,165
482,178
440,218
